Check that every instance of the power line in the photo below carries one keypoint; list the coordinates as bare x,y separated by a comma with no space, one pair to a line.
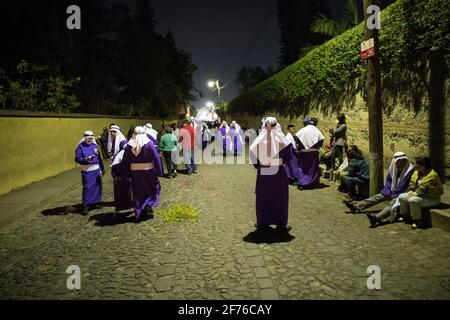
255,38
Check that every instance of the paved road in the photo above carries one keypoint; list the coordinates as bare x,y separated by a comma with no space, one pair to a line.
220,257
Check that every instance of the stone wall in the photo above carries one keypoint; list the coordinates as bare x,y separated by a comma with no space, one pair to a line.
35,146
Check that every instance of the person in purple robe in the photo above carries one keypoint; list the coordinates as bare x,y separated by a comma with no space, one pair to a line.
397,182
141,162
269,153
311,139
87,156
292,169
225,138
152,134
116,141
236,134
122,185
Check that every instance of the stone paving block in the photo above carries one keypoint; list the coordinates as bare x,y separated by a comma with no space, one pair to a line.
269,294
163,284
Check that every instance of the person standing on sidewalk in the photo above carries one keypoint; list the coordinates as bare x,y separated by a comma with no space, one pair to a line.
340,140
425,191
292,168
311,139
270,151
168,146
87,156
122,185
141,163
116,141
397,181
152,134
187,141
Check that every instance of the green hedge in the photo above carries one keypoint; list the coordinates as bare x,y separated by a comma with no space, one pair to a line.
412,32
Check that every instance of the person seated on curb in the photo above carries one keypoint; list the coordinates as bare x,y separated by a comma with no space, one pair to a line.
358,174
425,191
397,182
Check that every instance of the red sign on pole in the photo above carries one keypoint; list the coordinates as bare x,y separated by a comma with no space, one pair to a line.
367,49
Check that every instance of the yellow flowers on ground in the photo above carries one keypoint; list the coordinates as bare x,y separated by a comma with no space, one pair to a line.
180,213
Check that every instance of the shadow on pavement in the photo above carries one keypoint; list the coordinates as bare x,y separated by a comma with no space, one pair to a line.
268,236
108,219
63,210
77,208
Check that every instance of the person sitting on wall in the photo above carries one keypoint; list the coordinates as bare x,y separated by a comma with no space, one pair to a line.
425,191
358,175
397,182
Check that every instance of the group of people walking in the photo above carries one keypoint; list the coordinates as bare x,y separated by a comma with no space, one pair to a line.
135,168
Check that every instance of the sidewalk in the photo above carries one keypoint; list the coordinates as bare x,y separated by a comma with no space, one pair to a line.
36,195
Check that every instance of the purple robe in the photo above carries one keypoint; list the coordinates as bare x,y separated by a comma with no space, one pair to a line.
272,193
92,180
144,183
122,187
292,169
308,162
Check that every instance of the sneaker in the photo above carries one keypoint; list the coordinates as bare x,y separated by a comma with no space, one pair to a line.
373,221
349,204
414,226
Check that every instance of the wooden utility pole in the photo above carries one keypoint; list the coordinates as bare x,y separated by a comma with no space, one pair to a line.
373,92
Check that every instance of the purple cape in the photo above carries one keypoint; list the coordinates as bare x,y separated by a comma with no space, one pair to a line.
144,183
272,194
92,180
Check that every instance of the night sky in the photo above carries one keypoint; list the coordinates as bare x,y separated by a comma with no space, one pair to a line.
219,33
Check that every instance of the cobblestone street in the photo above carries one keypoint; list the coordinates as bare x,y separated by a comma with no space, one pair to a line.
220,256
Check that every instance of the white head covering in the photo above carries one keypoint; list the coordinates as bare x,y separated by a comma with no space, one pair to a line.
138,140
87,135
270,141
225,125
236,125
119,138
309,136
291,139
393,170
149,130
118,158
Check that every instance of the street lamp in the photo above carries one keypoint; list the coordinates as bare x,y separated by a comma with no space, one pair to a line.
215,85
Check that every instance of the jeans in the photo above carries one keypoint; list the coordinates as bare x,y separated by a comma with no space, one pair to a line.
168,158
189,160
350,184
337,153
411,206
378,198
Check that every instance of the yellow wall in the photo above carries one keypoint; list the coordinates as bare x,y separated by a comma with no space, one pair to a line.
35,148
